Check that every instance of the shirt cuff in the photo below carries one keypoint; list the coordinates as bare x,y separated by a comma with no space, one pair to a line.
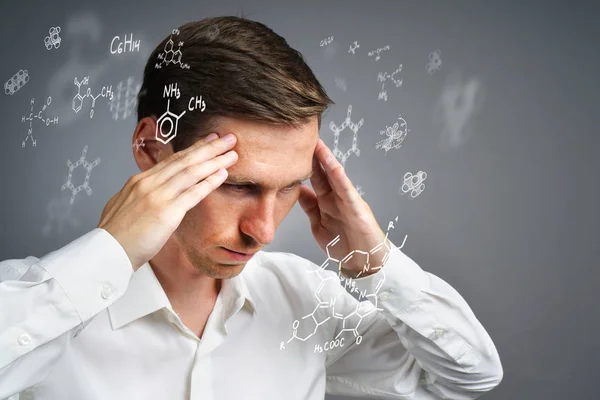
93,271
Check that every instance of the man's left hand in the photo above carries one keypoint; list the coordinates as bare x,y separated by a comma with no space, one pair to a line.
335,208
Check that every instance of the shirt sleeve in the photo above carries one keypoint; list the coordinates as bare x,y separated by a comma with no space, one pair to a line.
418,339
44,303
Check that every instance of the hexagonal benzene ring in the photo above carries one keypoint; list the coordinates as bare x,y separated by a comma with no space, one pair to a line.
169,46
363,256
77,103
167,117
177,56
169,56
354,127
86,184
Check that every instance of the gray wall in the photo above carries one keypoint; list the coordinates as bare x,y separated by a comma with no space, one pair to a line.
509,211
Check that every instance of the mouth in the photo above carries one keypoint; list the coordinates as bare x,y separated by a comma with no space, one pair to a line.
235,255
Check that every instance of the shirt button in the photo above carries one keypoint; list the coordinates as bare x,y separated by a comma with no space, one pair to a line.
384,296
106,292
438,333
24,339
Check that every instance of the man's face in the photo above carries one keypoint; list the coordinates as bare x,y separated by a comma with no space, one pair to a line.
262,187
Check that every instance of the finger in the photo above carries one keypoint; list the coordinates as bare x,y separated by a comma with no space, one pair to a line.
310,205
318,179
195,194
196,155
151,178
190,176
199,143
337,177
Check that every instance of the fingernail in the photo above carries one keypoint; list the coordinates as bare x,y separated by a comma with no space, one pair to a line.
229,138
211,137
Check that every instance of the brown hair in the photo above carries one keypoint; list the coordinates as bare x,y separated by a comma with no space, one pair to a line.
241,68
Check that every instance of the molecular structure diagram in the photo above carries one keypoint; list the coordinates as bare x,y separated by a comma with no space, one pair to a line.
53,39
363,308
16,82
376,52
326,41
435,62
172,120
78,99
414,183
383,76
395,135
139,144
37,116
123,103
86,183
170,56
353,47
59,213
336,136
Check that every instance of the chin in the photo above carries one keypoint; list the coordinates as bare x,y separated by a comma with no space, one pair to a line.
224,271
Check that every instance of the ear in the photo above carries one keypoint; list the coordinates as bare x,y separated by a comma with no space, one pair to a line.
148,151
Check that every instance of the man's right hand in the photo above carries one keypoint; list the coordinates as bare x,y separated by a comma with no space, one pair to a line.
147,210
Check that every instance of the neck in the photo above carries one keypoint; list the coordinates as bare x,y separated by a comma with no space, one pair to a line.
185,286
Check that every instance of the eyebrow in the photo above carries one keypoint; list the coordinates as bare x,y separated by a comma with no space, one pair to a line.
238,180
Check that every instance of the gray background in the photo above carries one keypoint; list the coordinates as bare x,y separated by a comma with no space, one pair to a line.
508,216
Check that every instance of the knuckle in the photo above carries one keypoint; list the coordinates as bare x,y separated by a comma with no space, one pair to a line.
142,186
152,202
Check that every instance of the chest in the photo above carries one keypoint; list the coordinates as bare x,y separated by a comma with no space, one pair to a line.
153,359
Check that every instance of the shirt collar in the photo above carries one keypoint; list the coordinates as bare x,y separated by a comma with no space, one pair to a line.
145,295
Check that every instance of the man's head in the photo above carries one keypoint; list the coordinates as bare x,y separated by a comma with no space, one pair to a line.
255,86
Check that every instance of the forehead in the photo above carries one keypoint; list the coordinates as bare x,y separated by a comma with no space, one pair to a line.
271,155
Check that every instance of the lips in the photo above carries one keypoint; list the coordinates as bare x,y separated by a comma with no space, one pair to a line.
236,255
242,253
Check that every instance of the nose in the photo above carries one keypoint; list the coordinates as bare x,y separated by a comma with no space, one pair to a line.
259,220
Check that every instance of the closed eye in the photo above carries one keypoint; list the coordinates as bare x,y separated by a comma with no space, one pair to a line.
235,188
242,188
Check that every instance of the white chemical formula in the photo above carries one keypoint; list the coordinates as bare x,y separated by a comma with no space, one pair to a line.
37,116
53,39
383,77
327,295
354,127
86,183
127,45
166,125
78,100
395,135
16,82
376,52
171,56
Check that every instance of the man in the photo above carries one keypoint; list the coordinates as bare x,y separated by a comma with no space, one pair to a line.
171,297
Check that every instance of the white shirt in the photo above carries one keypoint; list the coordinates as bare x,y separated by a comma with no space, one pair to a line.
80,324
